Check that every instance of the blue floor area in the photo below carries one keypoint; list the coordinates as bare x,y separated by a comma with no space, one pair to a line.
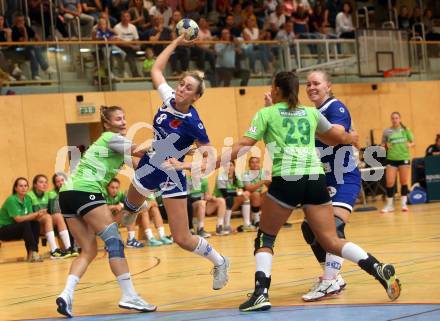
388,312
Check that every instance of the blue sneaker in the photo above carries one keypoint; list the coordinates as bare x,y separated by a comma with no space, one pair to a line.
134,243
154,242
166,240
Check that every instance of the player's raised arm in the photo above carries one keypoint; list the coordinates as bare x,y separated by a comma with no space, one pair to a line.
159,66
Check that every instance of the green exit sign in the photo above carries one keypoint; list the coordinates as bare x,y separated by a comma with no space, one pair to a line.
86,109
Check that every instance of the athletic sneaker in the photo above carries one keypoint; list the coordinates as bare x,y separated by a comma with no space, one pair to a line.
259,300
220,274
256,302
387,209
341,282
219,230
166,240
138,304
249,228
64,303
73,252
202,233
227,228
34,257
405,208
154,242
58,254
386,275
133,243
322,290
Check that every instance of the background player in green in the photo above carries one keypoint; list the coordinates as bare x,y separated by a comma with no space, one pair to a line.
152,213
115,200
83,204
197,189
58,180
40,201
397,140
288,130
230,187
254,181
19,221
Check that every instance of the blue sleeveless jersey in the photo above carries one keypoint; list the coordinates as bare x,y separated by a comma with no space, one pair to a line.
342,175
174,134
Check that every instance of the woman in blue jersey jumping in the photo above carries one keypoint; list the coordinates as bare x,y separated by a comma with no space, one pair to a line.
177,127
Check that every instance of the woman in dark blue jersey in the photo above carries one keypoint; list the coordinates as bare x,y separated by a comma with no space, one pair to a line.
177,127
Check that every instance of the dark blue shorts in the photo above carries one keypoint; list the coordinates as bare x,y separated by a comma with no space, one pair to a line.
150,179
344,195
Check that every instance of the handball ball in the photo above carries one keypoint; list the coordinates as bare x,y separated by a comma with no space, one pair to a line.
188,26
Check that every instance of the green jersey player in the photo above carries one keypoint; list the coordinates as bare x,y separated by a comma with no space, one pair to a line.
288,130
85,208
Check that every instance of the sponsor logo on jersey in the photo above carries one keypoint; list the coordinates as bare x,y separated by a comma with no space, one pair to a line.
167,186
332,191
175,123
252,129
92,197
291,113
397,140
341,109
200,125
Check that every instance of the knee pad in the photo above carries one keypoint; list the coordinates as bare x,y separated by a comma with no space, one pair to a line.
308,233
404,190
255,209
390,191
113,242
229,202
264,240
340,226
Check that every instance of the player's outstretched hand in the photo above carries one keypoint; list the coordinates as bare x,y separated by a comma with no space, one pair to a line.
173,163
355,139
182,41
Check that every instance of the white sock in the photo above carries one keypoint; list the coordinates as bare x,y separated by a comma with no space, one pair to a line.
131,234
353,253
206,250
71,282
149,233
263,262
256,217
126,286
65,238
246,211
404,199
50,236
228,217
390,201
220,220
161,231
333,265
195,224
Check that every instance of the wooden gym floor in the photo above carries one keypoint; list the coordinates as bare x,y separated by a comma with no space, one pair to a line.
180,282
